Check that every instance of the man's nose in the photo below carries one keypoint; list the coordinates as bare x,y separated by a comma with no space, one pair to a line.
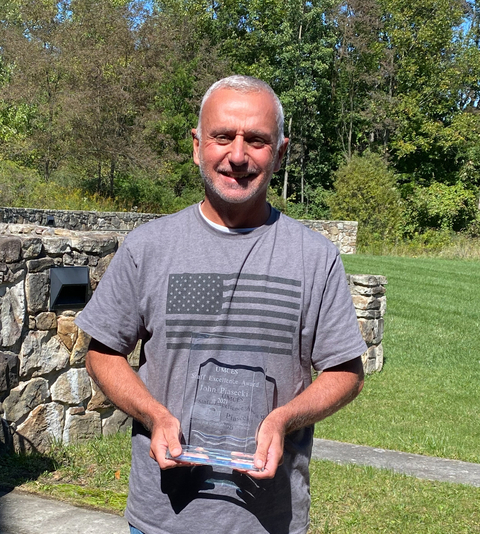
237,154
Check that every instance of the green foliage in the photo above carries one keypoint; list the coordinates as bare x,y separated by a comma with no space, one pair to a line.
315,206
24,187
166,194
365,191
112,89
440,206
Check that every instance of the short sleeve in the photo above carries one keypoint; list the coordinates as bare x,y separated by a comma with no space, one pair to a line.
337,337
112,316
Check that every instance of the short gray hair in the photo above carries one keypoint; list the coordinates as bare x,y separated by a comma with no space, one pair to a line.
245,84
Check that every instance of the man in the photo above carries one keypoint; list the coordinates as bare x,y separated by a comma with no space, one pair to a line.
234,267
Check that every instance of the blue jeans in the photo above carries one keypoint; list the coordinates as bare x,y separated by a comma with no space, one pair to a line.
134,530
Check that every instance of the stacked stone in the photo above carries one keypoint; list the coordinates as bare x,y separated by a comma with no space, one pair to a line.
46,394
76,220
368,294
342,233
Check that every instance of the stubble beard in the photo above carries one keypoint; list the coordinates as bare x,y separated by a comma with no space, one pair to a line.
211,190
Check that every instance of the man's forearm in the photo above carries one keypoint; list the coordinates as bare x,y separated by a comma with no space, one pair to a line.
333,389
113,374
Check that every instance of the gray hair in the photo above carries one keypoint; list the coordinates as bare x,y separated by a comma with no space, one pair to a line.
245,84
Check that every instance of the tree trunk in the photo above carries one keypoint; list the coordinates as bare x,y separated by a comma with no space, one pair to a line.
99,177
112,176
287,161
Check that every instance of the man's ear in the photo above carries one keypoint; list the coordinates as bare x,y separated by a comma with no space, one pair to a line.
196,146
280,153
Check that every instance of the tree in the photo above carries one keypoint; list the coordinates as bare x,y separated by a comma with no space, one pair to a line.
362,77
30,45
424,39
289,45
113,90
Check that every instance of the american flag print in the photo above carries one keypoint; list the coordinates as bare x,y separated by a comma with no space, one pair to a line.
245,306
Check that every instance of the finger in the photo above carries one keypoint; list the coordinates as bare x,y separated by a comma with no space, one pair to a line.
173,442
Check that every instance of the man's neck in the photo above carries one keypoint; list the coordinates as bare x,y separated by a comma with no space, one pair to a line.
236,215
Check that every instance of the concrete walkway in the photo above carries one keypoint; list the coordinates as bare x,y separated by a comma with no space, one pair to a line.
21,513
426,467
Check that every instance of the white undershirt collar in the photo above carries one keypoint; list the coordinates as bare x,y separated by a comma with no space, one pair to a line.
224,229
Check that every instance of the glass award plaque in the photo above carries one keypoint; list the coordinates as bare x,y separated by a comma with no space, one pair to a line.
225,400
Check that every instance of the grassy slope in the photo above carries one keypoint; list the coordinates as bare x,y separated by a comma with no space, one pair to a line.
427,398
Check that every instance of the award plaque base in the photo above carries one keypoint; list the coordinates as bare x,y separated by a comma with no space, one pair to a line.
192,454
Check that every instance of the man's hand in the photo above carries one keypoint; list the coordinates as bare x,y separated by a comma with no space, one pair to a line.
333,389
165,436
269,453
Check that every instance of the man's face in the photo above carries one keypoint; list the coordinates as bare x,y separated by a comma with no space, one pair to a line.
237,154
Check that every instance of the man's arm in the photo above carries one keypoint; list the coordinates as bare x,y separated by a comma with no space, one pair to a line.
333,389
112,373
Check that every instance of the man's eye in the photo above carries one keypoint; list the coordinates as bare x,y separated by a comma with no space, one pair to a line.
257,143
222,139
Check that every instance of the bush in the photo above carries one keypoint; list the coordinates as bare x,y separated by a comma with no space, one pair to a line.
24,188
365,191
440,206
167,193
315,206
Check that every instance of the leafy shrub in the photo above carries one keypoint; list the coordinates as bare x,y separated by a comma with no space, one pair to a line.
440,206
315,206
365,191
25,188
16,183
473,229
167,193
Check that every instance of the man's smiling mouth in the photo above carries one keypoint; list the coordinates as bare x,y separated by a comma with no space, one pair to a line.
237,175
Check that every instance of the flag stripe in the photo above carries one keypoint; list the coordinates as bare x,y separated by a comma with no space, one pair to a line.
236,324
262,313
264,278
262,337
266,302
237,348
263,289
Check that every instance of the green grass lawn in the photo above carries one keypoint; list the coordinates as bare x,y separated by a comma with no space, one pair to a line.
362,500
426,400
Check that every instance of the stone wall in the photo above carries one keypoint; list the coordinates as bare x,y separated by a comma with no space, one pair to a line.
46,394
342,233
109,221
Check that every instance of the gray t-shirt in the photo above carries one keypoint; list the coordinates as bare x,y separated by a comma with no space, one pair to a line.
281,287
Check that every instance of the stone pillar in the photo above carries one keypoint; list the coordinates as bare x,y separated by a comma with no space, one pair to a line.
368,295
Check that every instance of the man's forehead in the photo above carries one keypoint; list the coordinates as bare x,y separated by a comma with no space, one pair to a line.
227,105
229,95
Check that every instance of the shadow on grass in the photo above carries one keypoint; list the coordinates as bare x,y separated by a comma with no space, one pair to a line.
16,468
